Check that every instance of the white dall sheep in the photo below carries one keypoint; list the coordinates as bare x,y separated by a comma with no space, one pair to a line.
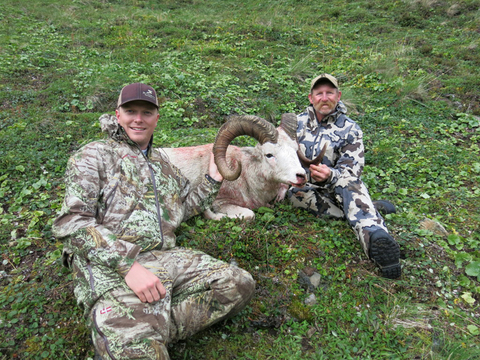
254,176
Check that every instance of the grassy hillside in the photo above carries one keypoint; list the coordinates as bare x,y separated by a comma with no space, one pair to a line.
409,75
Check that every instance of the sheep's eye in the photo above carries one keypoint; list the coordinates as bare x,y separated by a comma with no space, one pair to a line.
269,156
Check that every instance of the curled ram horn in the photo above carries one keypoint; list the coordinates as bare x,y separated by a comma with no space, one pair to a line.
250,125
289,124
307,162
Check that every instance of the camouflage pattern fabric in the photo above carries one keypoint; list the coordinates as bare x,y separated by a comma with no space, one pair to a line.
343,195
118,203
123,206
200,292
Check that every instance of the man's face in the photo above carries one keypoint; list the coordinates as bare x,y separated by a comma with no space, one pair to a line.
324,98
139,119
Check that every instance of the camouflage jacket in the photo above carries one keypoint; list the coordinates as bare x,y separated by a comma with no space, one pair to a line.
344,139
118,203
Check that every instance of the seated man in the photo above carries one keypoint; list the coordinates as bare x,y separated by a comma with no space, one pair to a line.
335,188
123,202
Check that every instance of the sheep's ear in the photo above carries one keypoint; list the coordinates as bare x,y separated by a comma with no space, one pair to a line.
289,124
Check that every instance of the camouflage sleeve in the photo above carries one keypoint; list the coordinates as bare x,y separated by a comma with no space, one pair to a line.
196,200
351,157
77,225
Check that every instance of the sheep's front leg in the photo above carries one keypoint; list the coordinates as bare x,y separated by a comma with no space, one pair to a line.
231,211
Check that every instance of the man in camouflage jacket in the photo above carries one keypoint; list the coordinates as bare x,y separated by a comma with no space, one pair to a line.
335,188
123,202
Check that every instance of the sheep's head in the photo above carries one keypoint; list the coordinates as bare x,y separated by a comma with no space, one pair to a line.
290,124
254,126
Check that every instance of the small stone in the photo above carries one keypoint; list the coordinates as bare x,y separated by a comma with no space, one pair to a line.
454,10
311,331
315,279
311,300
304,281
433,226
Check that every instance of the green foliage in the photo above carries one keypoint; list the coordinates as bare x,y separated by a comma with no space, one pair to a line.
409,75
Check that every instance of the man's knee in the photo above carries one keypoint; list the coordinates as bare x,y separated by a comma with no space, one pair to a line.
246,285
123,340
125,328
236,287
146,349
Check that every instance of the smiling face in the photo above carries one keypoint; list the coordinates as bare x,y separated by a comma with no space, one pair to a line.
324,98
139,119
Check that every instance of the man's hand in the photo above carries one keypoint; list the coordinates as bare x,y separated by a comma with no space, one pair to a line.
145,284
319,173
213,171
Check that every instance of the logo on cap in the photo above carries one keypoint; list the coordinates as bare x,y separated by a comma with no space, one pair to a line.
149,93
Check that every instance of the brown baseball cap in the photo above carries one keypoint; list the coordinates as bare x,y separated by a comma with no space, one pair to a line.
137,91
327,77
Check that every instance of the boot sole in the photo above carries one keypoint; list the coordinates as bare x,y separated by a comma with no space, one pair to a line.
385,253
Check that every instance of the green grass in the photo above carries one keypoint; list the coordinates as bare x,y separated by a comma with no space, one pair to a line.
409,74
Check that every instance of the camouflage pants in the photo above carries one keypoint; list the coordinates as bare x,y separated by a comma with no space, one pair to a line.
201,291
349,200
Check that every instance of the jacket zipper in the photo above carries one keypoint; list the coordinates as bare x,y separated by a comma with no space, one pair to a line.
92,283
157,204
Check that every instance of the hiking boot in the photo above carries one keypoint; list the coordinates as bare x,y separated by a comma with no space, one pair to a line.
384,207
385,252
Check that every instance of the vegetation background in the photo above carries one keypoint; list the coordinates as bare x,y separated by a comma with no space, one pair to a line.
409,75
